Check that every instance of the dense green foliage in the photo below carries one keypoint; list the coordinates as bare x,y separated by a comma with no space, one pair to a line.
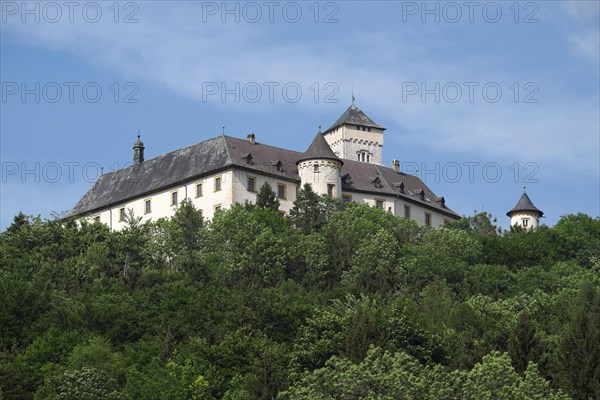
335,302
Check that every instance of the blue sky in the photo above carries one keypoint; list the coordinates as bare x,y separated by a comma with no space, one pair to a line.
478,98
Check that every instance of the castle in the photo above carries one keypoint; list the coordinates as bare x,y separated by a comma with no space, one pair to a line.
345,162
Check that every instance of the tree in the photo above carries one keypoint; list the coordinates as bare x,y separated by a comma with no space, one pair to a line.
266,198
523,344
579,354
308,214
82,384
479,224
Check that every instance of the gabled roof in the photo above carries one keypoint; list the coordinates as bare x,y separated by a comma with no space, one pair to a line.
524,204
319,149
354,116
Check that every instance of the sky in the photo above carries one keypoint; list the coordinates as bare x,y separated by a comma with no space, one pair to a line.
480,99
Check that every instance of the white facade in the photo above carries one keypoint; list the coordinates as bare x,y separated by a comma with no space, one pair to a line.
219,190
527,220
358,143
400,208
322,175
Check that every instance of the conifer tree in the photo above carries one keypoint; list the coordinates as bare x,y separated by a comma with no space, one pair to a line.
266,197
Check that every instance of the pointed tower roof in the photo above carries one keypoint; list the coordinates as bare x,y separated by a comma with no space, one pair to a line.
354,116
524,204
319,149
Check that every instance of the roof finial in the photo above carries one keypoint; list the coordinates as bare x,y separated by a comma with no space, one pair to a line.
139,133
353,94
223,130
319,128
524,189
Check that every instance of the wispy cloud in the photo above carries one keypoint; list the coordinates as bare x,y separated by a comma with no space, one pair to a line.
172,47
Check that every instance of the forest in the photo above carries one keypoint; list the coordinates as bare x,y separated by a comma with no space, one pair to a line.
334,301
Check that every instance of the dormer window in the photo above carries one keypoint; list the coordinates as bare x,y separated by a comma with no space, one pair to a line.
346,179
278,166
422,195
401,187
377,183
248,158
442,202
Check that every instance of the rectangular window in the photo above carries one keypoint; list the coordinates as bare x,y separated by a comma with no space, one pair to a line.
147,206
346,198
121,214
281,191
97,219
199,190
316,167
407,212
427,219
281,213
446,221
217,183
379,203
525,222
173,198
330,190
251,184
217,207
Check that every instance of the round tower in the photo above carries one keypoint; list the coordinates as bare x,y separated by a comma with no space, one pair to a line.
525,214
320,167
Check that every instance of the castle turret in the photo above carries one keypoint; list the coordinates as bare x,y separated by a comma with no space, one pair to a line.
355,136
138,151
525,214
320,167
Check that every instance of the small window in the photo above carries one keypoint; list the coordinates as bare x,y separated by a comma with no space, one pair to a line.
368,157
446,221
173,198
330,190
407,212
369,129
147,206
281,213
525,222
251,184
427,219
281,190
379,204
217,207
199,190
346,198
121,214
316,167
217,184
97,219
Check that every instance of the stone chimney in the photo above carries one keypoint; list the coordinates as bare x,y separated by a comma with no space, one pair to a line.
396,165
252,138
138,151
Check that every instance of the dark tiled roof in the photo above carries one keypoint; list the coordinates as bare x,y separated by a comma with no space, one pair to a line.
319,149
354,116
154,174
363,178
524,204
171,169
